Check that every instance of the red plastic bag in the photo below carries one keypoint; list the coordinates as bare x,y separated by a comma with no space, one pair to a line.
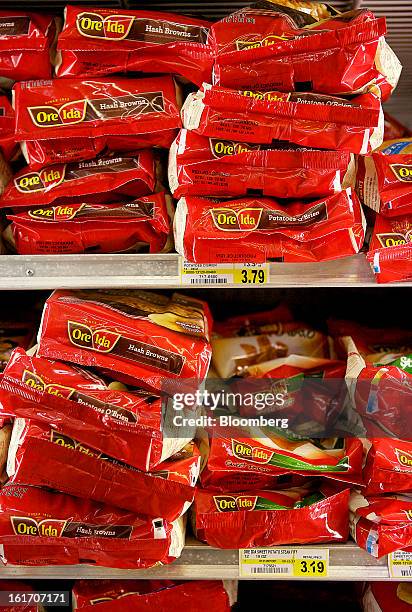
8,146
266,51
115,114
126,425
42,457
388,467
255,230
101,41
306,119
380,383
271,518
211,167
381,525
384,180
139,226
104,179
390,249
387,596
138,335
233,451
43,528
26,41
143,595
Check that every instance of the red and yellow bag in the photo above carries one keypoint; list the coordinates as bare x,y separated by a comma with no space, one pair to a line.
139,226
379,379
381,524
42,457
138,336
390,249
100,41
271,518
125,425
255,230
264,50
26,41
306,119
105,179
384,179
43,528
8,146
388,467
233,449
387,596
211,167
142,595
95,115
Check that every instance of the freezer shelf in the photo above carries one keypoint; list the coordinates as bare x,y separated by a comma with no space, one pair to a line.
162,271
198,561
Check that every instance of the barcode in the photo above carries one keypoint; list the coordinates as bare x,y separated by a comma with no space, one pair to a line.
406,573
208,281
269,569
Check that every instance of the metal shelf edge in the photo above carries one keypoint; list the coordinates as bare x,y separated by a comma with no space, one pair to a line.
162,271
347,562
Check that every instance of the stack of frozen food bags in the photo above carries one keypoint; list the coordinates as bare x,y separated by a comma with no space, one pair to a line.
384,184
379,379
96,471
296,93
93,141
263,484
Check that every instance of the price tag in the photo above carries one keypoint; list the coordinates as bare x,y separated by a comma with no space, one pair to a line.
223,274
400,564
283,563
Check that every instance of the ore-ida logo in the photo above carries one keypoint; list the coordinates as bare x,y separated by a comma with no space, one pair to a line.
53,116
404,459
229,220
402,172
221,148
111,27
232,503
56,213
40,181
242,45
101,340
36,382
27,526
389,239
255,454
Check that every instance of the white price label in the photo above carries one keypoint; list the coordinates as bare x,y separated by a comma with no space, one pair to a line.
223,274
284,563
400,564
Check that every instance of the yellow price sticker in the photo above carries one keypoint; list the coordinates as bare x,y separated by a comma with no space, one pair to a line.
251,275
223,274
307,568
285,562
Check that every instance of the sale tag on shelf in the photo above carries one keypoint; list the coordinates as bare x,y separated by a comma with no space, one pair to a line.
284,563
223,274
400,564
